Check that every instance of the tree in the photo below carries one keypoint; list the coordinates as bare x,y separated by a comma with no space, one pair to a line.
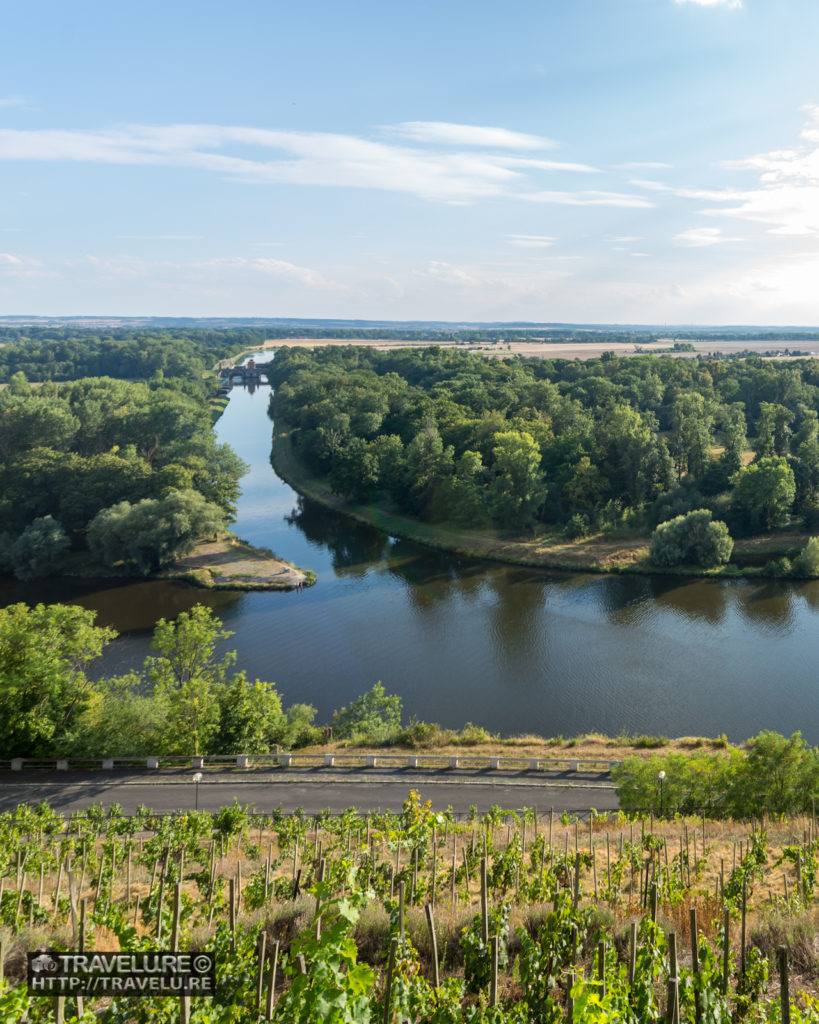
374,717
250,717
188,675
518,489
153,532
777,776
691,422
40,549
44,655
692,538
764,492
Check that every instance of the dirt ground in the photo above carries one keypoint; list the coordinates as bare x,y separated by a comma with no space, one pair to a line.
229,562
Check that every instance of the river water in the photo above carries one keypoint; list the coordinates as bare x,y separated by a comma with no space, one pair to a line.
515,650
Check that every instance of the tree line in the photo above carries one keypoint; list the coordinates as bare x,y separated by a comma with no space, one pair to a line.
128,471
578,446
67,353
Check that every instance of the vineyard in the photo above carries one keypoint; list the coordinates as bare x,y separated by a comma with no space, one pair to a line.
506,918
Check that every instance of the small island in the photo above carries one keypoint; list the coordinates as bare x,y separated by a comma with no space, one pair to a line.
230,563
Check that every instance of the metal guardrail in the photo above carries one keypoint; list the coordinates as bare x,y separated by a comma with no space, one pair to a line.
439,762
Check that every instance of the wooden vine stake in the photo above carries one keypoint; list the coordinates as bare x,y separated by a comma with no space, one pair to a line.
784,995
695,963
390,969
271,982
431,924
493,985
261,951
726,952
484,903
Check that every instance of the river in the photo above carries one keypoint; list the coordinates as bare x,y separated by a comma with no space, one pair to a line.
515,650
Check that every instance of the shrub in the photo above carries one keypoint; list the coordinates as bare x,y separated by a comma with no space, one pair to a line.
694,538
806,563
374,717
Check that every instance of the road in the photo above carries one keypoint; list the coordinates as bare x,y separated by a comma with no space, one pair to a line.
311,789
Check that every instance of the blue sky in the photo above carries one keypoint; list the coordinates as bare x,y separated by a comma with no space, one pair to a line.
648,161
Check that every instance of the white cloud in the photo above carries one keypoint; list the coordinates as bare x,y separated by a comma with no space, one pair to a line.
700,237
589,198
712,3
531,241
9,260
468,135
786,198
311,158
7,102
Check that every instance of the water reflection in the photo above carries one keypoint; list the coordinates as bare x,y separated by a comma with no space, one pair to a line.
515,649
354,546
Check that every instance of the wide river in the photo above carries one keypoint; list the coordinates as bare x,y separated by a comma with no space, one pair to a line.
515,650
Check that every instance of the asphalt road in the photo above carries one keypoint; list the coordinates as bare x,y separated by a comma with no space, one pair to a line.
311,789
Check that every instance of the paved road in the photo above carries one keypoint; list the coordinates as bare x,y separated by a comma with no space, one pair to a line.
311,789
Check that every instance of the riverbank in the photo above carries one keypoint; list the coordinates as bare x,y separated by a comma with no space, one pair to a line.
547,551
231,564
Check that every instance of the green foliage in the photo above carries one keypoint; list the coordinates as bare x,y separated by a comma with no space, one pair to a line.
374,717
40,549
154,532
187,675
776,773
44,654
764,492
250,717
806,563
693,538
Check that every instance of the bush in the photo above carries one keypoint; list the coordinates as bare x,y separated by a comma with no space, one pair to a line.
577,527
806,563
374,717
693,538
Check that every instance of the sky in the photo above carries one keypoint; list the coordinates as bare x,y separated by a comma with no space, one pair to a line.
607,161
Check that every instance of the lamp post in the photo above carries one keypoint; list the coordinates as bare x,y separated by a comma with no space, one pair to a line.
661,777
197,778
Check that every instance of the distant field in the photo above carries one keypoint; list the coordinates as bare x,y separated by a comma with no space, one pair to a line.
542,349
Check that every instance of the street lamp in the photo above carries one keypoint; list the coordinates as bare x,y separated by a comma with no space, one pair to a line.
661,777
197,778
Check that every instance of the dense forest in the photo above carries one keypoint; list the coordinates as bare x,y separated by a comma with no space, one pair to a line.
580,446
128,470
67,353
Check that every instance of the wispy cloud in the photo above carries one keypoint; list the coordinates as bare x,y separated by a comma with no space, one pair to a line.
701,237
468,135
786,197
590,198
531,241
712,3
426,169
8,102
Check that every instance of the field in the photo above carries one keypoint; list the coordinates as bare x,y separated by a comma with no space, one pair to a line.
540,348
421,917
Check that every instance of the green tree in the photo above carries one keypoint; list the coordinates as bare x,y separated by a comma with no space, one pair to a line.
188,677
692,538
374,717
155,531
764,492
777,776
691,421
44,656
121,720
40,549
250,717
518,489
